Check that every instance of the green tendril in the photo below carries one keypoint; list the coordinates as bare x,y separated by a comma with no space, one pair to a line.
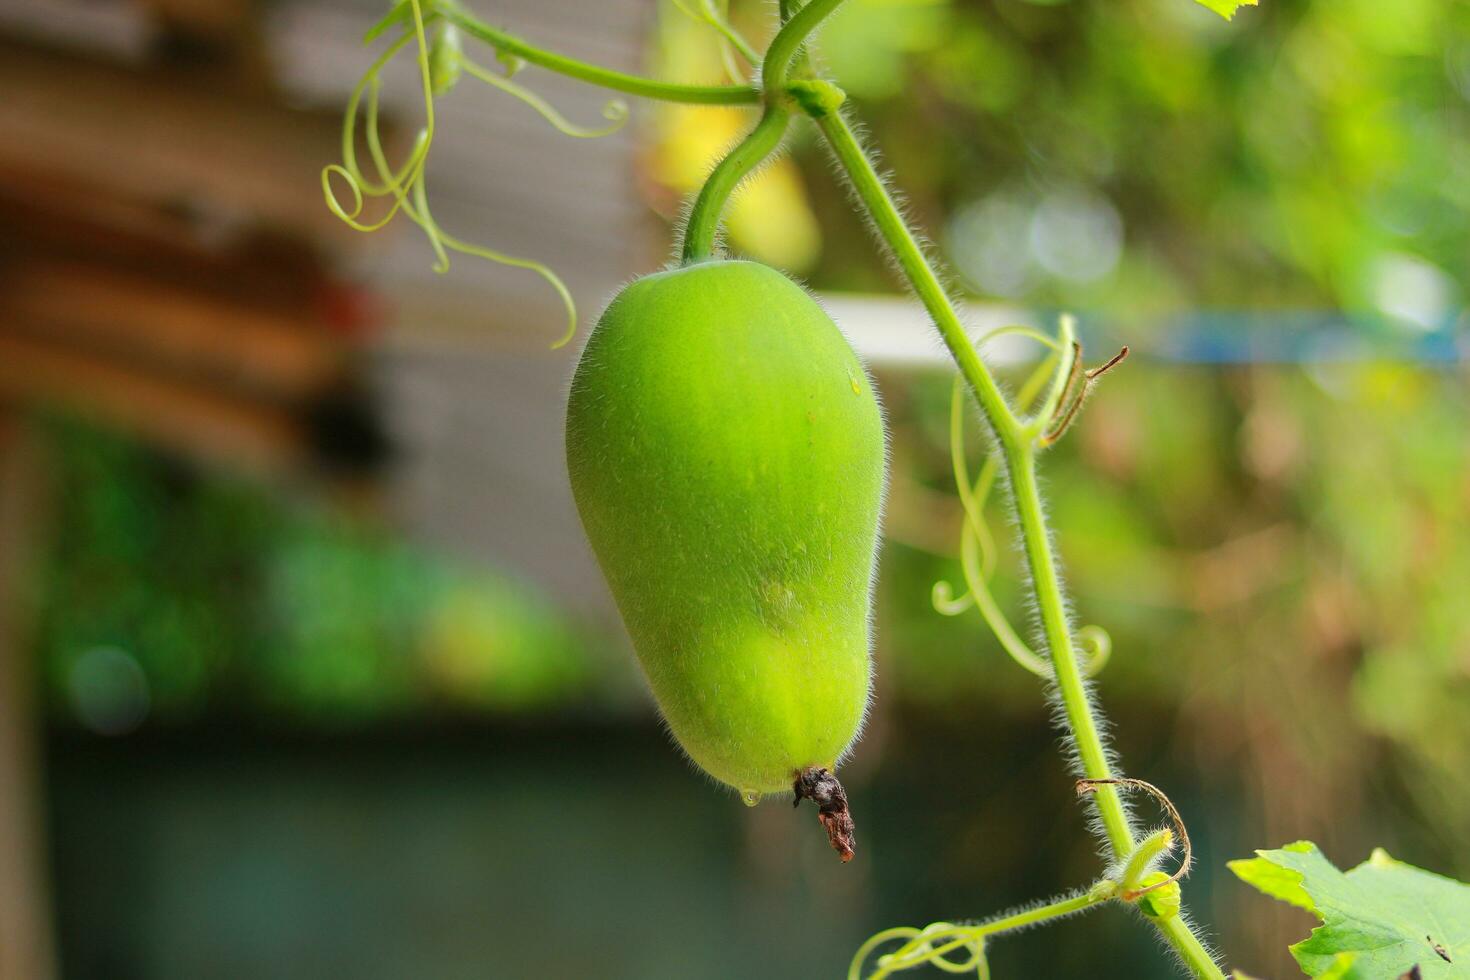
977,548
717,16
977,543
1019,330
1031,387
400,14
733,71
1097,643
615,110
919,949
1064,380
349,169
440,63
932,945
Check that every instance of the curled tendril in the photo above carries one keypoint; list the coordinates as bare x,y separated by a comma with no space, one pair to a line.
1070,386
920,949
1079,386
977,544
1098,645
440,63
615,110
1131,892
1067,368
962,948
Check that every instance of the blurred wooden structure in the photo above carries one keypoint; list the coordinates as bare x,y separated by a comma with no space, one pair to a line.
25,936
161,258
167,268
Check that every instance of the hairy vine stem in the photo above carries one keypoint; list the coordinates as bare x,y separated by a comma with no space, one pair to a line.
1019,455
703,225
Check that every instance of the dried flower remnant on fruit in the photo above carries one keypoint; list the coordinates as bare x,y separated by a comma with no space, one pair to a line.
823,789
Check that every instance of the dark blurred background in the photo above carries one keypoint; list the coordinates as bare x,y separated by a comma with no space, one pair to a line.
306,671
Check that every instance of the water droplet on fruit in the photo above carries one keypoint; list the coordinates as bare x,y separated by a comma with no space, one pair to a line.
749,797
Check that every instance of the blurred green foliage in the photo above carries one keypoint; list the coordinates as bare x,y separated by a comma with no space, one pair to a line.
1280,554
1282,557
171,593
1146,155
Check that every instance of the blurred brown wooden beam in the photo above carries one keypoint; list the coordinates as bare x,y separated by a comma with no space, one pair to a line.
185,333
186,418
221,18
157,136
81,219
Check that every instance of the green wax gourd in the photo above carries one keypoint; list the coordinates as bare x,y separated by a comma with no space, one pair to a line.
726,452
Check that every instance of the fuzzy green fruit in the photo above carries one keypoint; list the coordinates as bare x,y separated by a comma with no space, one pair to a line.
726,452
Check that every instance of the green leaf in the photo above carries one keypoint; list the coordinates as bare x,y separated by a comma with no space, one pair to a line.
1276,880
1227,8
1381,919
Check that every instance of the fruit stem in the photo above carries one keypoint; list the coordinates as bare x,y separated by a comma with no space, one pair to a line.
762,141
1018,451
704,217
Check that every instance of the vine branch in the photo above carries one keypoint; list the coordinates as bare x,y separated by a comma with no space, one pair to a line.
704,217
703,225
1018,446
650,88
919,947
